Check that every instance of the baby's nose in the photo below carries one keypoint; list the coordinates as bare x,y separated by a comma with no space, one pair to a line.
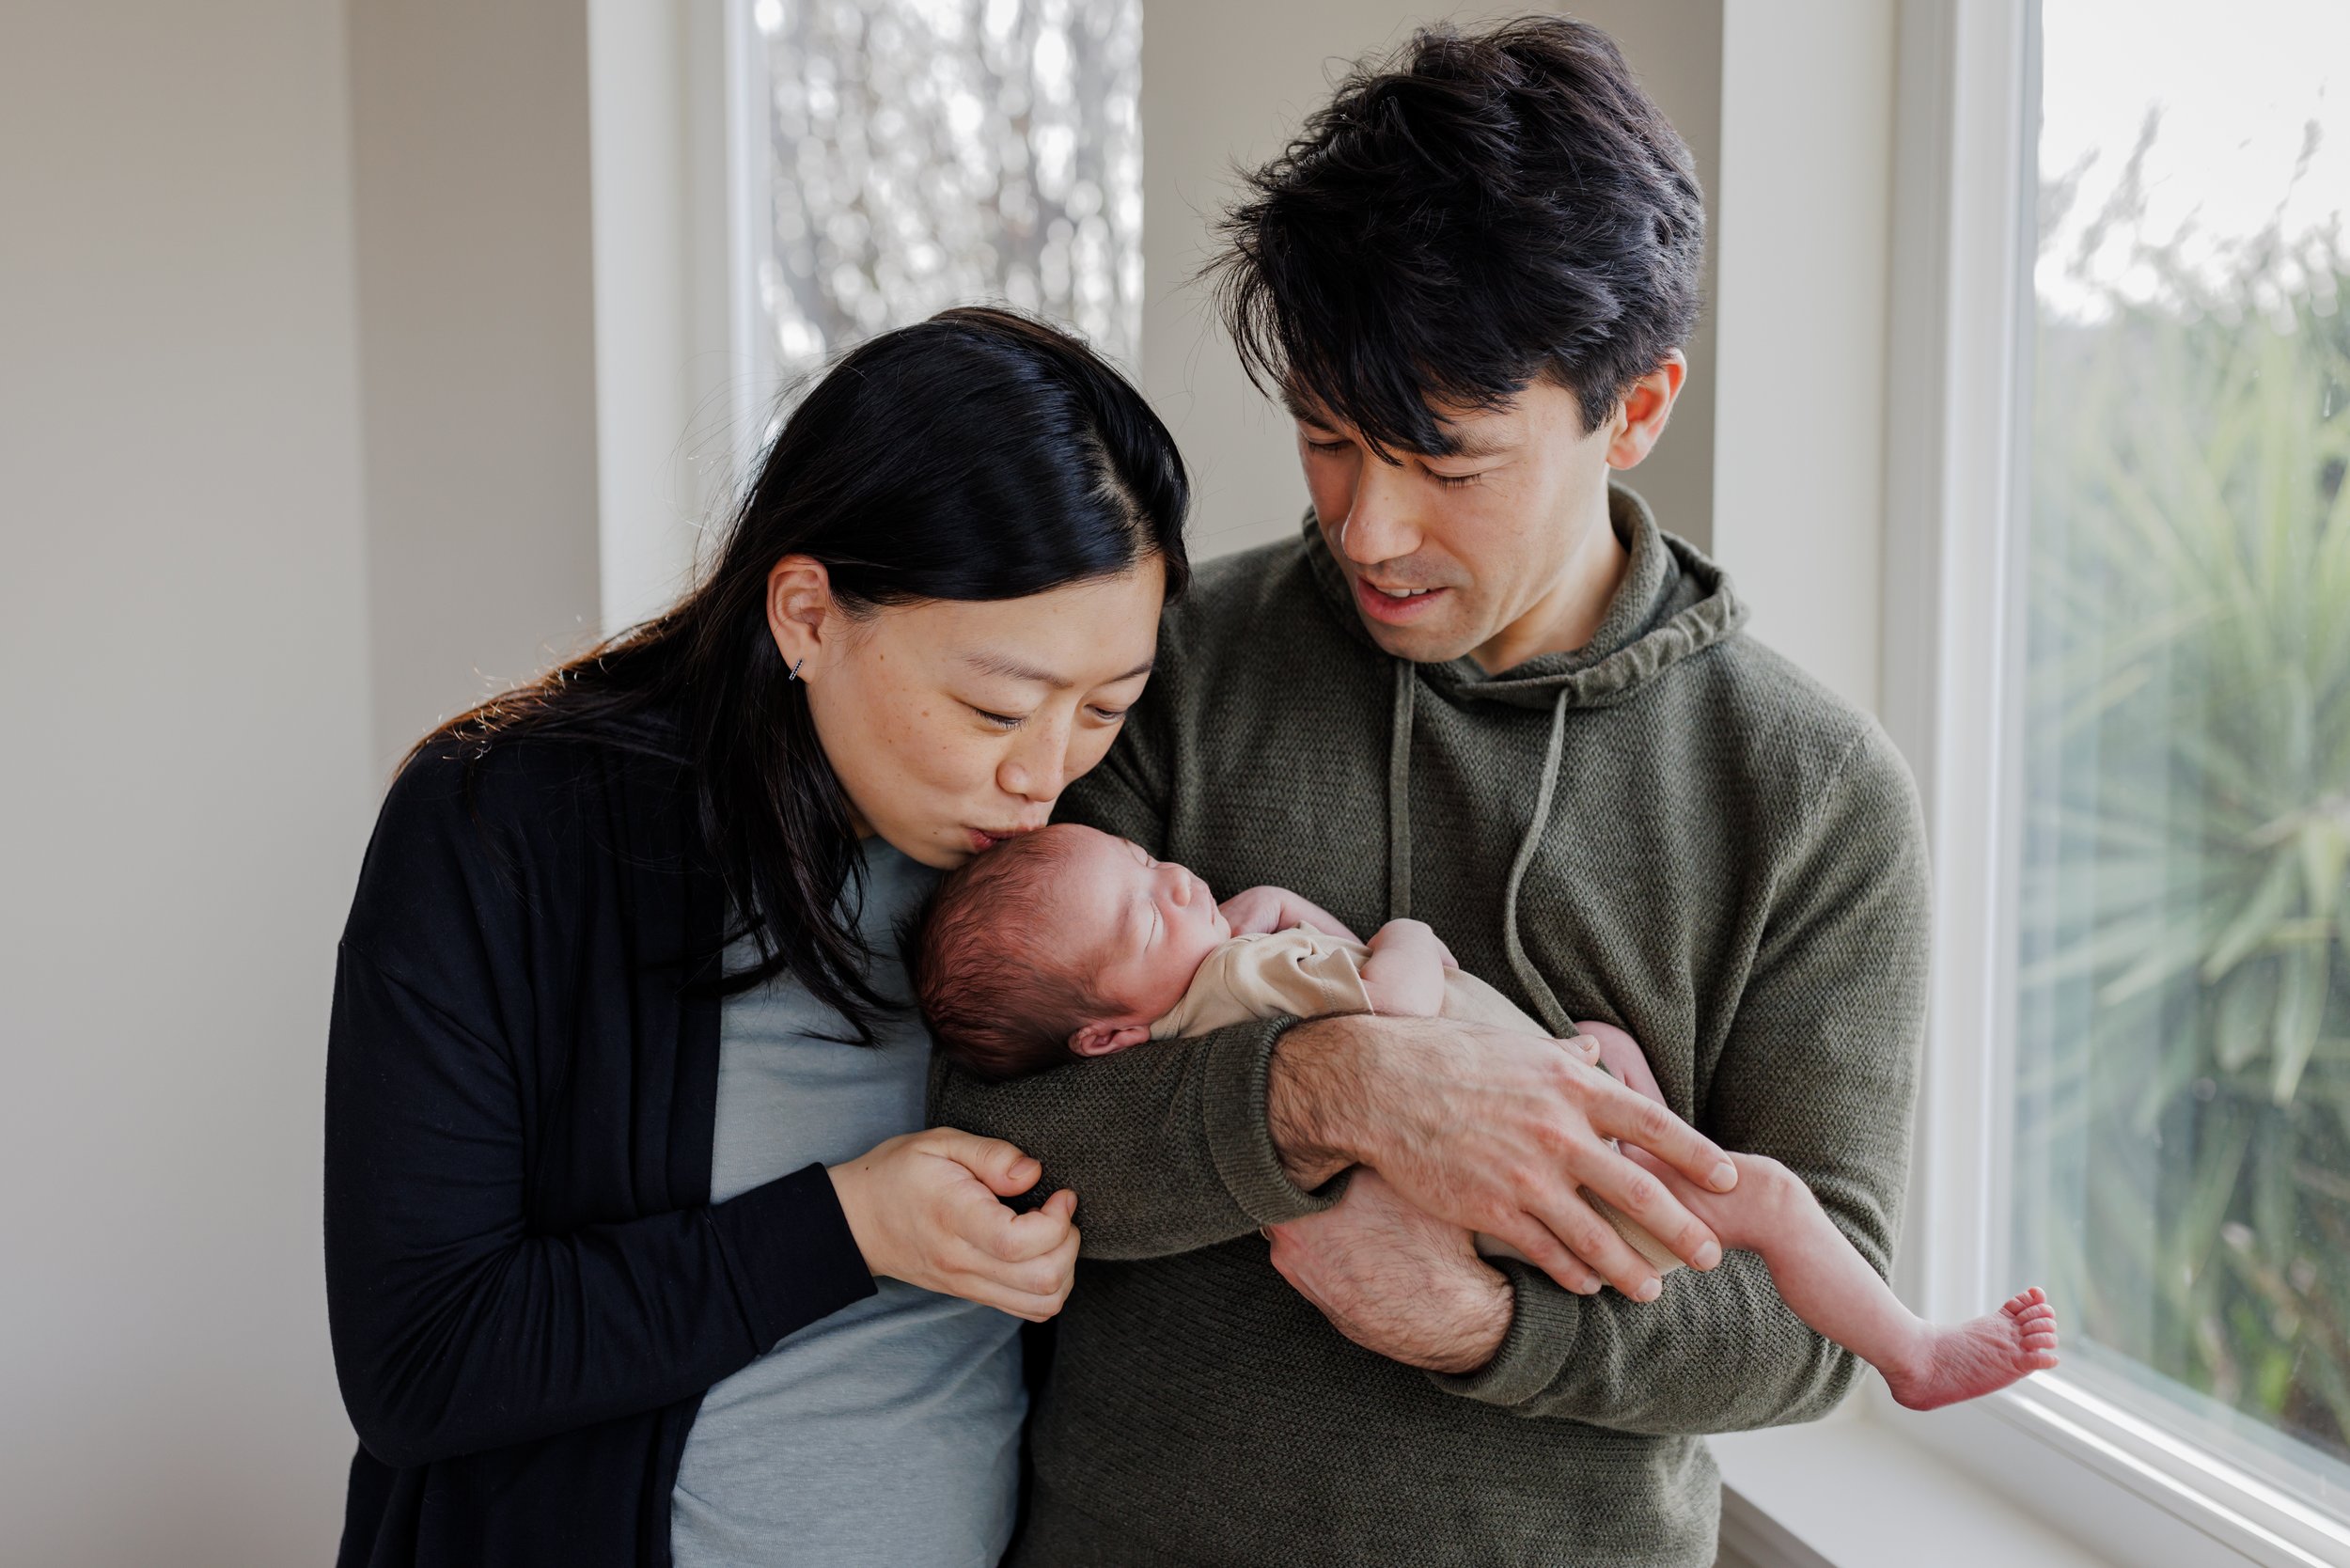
1182,891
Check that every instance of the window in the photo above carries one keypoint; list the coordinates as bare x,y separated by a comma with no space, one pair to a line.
923,154
2118,653
2182,982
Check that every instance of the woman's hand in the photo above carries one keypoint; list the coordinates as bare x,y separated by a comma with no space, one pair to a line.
923,1208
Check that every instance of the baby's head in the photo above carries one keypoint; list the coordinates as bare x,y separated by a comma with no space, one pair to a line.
1058,943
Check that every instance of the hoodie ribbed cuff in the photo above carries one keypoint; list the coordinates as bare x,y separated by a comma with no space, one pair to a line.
1239,1067
1545,1321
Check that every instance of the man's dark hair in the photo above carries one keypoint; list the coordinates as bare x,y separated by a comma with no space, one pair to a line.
1481,209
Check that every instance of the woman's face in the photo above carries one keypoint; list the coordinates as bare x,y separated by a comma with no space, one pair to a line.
953,723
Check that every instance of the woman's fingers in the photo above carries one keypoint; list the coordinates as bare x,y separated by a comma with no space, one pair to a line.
1033,1289
1005,1236
1002,1167
1020,1238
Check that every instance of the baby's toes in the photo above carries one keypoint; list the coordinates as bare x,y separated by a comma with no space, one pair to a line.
2023,1301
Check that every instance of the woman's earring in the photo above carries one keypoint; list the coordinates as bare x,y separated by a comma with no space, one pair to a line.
793,673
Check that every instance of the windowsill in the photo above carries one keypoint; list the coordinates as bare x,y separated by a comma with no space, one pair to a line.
1850,1492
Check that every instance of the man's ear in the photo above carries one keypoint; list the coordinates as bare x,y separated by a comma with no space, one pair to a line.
1100,1040
801,614
1641,413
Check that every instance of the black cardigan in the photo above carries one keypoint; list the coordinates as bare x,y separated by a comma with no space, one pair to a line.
528,1287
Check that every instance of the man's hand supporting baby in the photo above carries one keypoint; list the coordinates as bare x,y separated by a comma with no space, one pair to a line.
1482,1129
1396,1280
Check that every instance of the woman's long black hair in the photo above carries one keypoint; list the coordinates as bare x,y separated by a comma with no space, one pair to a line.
979,455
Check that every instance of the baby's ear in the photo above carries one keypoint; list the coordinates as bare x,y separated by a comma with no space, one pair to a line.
1100,1040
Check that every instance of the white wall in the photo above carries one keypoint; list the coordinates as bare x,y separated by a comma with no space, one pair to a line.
1804,254
1209,101
477,324
183,697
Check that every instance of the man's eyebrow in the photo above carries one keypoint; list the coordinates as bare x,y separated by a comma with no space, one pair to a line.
1003,663
1465,446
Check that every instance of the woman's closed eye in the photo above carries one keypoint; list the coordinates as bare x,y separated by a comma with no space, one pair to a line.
1013,721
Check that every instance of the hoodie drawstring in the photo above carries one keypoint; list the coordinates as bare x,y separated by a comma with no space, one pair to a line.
1399,793
1555,1017
1400,840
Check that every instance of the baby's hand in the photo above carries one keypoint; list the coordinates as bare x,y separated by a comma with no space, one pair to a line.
1261,911
1405,973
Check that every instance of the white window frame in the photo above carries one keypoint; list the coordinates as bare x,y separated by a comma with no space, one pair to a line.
686,373
2109,1475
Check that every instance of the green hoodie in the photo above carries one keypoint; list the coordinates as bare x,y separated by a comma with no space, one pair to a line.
1674,830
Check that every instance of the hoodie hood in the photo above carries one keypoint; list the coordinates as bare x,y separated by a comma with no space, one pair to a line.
1673,602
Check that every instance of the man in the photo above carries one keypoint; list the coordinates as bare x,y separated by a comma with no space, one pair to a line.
1483,689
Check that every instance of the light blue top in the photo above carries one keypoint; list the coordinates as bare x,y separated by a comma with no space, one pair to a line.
888,1434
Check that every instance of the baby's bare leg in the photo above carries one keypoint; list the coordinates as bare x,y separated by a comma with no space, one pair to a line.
1826,1283
1831,1287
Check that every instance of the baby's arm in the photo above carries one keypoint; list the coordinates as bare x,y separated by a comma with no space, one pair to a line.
1621,1056
1405,973
1261,911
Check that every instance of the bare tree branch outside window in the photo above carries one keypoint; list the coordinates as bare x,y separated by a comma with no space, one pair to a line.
935,152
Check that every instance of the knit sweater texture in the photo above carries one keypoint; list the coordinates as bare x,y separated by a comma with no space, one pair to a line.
1672,829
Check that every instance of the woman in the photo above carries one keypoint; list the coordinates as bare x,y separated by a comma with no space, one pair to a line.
635,1252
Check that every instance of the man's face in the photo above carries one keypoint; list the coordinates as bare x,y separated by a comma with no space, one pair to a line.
1448,554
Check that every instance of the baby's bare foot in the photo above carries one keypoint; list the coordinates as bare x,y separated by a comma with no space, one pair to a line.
1980,1356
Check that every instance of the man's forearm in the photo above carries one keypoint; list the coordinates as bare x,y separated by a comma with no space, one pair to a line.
1397,1281
1478,1327
1313,1097
1165,1145
1656,1366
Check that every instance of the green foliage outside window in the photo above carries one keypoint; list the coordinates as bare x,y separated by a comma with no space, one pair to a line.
2184,992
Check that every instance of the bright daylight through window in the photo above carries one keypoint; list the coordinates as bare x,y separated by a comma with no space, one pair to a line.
935,152
2183,975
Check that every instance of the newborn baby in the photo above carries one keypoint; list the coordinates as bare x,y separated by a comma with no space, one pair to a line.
1068,943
